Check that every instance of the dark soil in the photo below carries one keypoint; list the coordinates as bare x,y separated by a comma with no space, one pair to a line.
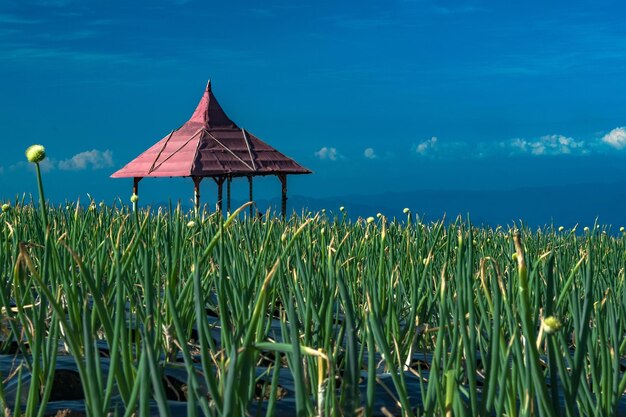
66,386
263,390
175,390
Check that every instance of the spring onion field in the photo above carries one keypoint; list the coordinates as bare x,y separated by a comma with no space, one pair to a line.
110,311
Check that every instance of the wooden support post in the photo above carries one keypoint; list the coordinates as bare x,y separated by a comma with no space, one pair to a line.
250,194
136,185
228,181
283,181
135,192
196,192
220,182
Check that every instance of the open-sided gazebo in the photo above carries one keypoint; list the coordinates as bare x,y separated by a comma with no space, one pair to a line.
211,145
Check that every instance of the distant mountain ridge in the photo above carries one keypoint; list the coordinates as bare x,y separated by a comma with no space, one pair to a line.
536,206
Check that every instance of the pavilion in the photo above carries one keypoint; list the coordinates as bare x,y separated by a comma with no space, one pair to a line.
211,145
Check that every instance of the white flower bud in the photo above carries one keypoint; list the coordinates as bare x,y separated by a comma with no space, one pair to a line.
35,154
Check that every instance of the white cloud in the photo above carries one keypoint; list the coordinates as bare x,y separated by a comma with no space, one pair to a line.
426,146
328,153
434,148
369,153
46,165
616,138
93,159
547,145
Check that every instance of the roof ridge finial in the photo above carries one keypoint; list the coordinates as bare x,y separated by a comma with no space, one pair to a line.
208,85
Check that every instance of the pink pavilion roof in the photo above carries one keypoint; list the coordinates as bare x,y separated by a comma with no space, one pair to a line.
209,144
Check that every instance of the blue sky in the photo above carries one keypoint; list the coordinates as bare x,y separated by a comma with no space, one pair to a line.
371,95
